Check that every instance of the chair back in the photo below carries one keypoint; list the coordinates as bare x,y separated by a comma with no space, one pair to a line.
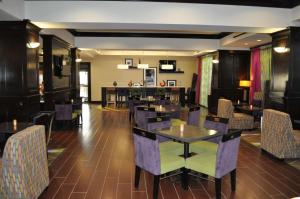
142,113
277,134
24,164
216,123
122,92
194,116
225,109
258,99
227,153
176,112
155,123
146,148
63,111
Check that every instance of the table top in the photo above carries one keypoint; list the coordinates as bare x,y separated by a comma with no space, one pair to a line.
8,128
188,133
247,108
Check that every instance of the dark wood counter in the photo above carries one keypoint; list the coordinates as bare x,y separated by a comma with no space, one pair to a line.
147,90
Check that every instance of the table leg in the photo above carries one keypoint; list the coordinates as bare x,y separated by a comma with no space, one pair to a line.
185,176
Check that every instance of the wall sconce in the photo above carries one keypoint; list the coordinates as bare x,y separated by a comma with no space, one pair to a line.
215,61
122,66
33,44
78,59
143,66
281,49
167,66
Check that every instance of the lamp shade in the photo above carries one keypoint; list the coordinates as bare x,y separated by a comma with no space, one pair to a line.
122,66
245,83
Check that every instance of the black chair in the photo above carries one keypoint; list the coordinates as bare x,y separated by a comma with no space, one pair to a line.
122,96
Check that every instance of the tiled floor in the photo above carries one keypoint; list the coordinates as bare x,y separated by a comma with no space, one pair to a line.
98,163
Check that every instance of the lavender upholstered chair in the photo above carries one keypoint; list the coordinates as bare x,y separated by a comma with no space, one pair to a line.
215,123
150,158
193,117
176,112
142,113
220,163
64,112
132,103
165,144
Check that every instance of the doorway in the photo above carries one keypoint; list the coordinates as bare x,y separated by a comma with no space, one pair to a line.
85,81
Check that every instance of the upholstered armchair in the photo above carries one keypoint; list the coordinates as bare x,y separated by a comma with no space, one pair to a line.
24,172
278,136
149,158
236,120
258,99
219,162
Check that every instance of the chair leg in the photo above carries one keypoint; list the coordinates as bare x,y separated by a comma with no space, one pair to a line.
233,179
218,183
184,178
137,176
156,186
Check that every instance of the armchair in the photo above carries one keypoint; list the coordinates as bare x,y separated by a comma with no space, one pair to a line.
24,169
278,136
236,120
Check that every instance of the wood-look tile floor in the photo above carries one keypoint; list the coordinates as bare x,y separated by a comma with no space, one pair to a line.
99,163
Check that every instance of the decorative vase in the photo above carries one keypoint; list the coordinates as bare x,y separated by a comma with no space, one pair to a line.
130,83
115,83
163,83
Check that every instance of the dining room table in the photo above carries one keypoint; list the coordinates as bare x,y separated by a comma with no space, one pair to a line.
187,134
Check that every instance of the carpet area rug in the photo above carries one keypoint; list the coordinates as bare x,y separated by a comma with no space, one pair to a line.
53,154
253,137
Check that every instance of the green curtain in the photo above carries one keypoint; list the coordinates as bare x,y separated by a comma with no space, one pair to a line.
206,76
265,59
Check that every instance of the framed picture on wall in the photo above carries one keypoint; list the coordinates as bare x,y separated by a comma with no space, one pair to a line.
129,61
171,82
150,77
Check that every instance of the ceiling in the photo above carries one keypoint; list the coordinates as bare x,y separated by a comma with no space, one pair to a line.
261,3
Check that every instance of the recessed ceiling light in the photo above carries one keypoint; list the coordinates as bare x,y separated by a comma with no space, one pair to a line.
246,44
258,40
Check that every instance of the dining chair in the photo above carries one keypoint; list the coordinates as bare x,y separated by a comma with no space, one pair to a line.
149,158
64,113
165,144
219,163
214,123
132,103
193,117
142,113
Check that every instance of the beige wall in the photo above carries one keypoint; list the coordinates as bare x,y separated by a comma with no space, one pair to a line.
104,71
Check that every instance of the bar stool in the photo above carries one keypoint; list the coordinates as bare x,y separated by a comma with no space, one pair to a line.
111,96
122,96
175,95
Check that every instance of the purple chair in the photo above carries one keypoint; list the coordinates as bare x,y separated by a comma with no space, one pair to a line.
132,103
64,112
165,144
176,112
149,158
215,123
219,163
142,113
194,116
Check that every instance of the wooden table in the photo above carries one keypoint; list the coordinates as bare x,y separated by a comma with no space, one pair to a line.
7,129
256,112
188,134
164,109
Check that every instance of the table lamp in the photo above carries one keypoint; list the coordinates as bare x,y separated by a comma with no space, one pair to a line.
245,84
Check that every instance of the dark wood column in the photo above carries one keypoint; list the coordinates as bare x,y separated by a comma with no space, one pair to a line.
284,90
57,87
75,93
19,92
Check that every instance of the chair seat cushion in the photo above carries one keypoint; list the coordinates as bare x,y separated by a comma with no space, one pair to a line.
204,147
177,122
170,162
297,136
172,147
204,163
242,121
74,116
